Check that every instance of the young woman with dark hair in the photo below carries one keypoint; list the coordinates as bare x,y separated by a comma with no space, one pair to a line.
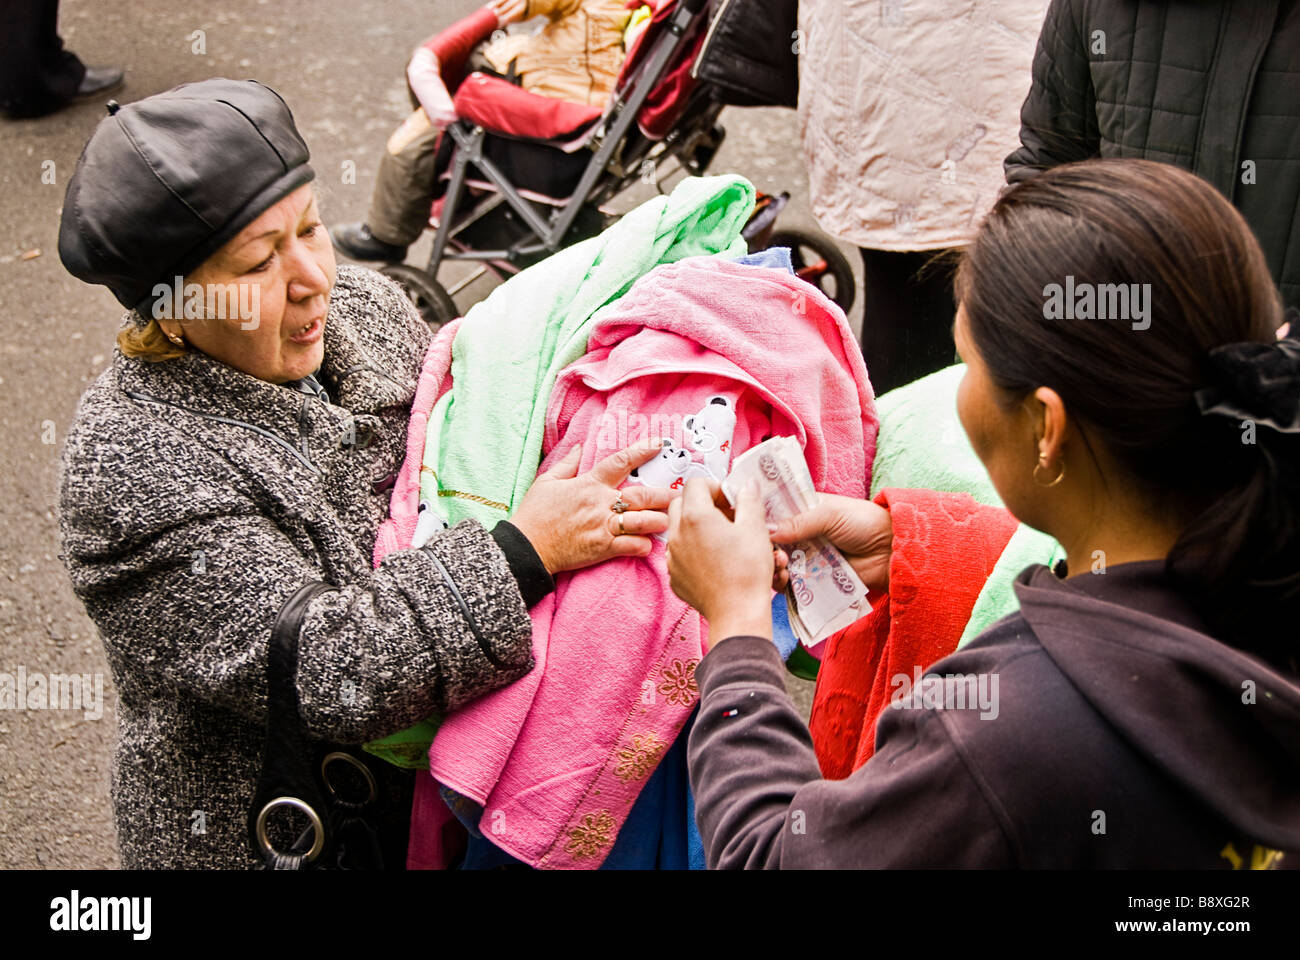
1128,395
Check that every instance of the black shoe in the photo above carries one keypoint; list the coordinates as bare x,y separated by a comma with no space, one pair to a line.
356,241
97,81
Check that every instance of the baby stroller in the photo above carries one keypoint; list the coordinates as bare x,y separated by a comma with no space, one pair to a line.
527,175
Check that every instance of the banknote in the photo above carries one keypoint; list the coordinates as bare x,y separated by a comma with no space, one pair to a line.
825,593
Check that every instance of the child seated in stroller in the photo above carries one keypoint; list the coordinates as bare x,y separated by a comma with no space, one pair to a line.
575,57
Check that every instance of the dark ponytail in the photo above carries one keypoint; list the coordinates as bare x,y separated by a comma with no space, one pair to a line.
1243,552
1188,388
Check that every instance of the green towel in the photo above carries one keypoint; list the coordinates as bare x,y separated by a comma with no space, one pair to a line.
407,748
922,445
997,599
484,438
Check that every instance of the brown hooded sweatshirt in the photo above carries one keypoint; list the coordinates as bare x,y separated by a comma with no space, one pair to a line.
1102,726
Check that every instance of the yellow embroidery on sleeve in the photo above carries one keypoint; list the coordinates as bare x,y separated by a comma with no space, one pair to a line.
1261,858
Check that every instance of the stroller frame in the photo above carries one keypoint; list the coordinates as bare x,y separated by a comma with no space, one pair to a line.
606,138
620,155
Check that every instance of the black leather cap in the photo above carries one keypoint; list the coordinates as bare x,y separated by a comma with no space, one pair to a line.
164,182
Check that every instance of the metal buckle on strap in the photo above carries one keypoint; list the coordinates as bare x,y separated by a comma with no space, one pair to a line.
370,777
264,841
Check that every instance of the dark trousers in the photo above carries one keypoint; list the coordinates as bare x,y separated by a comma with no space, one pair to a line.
907,315
404,188
406,185
37,76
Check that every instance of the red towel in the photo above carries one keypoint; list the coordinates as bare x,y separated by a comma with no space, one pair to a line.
945,546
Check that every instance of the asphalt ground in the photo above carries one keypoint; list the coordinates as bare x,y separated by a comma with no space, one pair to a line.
340,67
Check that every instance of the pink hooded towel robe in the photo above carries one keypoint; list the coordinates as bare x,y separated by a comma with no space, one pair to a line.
557,759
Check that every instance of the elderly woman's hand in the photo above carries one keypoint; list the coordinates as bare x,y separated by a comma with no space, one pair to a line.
723,568
568,518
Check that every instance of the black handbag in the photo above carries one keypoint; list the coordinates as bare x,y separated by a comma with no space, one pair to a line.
342,833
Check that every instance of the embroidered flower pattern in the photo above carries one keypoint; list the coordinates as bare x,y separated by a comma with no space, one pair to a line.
592,834
678,683
638,759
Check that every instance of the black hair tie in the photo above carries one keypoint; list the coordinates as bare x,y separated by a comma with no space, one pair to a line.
1256,381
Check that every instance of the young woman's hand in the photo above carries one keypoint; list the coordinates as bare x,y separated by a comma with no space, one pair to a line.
568,518
723,568
861,530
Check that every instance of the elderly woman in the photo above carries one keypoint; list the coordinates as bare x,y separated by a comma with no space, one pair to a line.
1146,711
227,474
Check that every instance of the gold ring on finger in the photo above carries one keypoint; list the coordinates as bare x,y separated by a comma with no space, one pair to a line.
622,531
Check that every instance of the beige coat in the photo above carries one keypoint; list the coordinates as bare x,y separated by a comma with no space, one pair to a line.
576,56
907,109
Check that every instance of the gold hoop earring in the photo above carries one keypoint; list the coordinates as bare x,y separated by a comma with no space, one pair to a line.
1042,462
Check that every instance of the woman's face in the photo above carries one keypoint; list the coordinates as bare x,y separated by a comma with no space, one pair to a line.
282,267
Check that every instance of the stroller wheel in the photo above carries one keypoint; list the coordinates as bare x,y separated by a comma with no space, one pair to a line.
430,298
817,260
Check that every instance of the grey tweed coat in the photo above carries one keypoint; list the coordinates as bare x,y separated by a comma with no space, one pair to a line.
195,500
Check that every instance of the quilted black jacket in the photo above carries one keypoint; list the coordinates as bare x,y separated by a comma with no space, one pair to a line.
1213,87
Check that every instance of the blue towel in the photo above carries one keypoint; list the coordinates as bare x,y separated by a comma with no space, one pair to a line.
777,258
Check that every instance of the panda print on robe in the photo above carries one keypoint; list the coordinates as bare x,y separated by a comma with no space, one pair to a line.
710,432
672,468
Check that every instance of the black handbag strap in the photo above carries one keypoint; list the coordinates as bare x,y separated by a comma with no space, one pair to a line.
287,777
